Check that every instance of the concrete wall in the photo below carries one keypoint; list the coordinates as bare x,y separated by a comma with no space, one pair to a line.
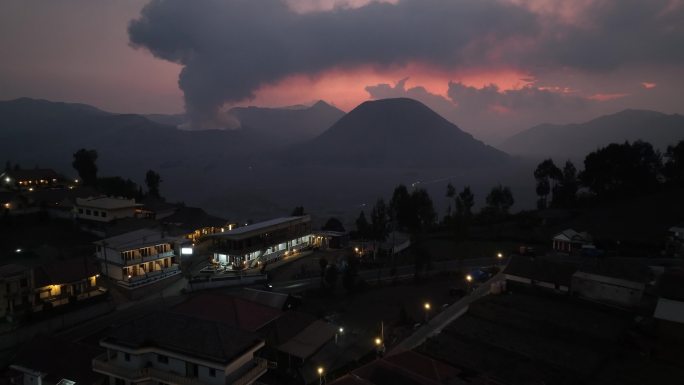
606,292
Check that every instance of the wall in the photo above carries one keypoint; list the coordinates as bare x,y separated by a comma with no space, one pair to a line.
610,293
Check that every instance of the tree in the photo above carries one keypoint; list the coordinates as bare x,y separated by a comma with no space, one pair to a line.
333,224
379,220
400,207
674,167
84,163
566,191
500,199
362,226
152,180
622,170
547,176
450,193
464,203
298,211
424,210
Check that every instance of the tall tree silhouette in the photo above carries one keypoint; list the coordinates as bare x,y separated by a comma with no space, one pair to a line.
152,180
84,163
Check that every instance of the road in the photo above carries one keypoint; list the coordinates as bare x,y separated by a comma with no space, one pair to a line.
171,297
385,273
441,320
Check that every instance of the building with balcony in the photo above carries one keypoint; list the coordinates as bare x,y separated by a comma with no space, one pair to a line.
16,283
261,242
66,282
105,209
169,348
139,258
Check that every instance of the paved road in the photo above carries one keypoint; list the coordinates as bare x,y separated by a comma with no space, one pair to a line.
441,320
172,295
385,273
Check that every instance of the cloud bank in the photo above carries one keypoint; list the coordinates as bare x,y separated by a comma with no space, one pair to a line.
230,48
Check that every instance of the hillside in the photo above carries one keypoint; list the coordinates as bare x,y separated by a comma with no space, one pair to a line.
286,124
39,132
576,140
289,125
396,133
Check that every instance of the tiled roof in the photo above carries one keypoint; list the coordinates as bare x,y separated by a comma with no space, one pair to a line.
65,271
183,334
228,310
244,231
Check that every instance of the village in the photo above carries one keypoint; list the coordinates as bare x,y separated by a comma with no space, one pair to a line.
145,291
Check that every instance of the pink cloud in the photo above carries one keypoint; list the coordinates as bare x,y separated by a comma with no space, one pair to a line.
606,97
648,85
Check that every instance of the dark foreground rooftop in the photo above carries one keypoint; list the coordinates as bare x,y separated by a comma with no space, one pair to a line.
184,334
528,337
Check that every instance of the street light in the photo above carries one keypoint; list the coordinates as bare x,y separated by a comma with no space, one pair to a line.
469,279
378,342
499,255
320,375
427,310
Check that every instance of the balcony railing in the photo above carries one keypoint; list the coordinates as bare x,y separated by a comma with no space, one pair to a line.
149,258
101,364
260,367
141,280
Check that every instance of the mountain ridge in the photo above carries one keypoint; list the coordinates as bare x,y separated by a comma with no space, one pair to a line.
576,140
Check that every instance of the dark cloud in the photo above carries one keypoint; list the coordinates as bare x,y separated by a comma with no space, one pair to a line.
492,114
230,48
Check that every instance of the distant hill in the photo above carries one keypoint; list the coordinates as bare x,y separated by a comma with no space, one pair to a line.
289,124
38,132
577,140
396,133
285,124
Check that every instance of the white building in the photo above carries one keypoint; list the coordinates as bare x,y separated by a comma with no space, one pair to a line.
264,241
569,241
169,348
105,209
140,257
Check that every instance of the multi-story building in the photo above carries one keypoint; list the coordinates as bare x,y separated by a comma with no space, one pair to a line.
261,242
16,285
169,348
66,281
139,258
105,209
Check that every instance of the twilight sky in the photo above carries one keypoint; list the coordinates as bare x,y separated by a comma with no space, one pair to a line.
493,67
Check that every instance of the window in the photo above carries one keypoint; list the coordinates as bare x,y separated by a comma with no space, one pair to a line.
162,359
96,213
103,214
212,372
99,248
127,357
87,212
80,211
